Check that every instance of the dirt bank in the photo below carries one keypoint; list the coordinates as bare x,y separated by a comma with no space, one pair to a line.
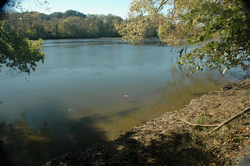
170,140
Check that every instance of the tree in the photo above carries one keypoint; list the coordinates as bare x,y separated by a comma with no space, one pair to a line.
73,13
18,52
219,30
72,27
36,25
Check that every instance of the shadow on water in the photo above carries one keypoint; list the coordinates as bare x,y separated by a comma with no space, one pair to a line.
23,145
119,114
3,156
79,135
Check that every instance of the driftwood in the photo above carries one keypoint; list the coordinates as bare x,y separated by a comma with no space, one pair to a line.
230,119
218,126
197,125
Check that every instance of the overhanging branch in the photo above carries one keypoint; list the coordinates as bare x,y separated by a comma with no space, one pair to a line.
161,4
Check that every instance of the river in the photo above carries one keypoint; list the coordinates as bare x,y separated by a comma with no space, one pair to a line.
89,91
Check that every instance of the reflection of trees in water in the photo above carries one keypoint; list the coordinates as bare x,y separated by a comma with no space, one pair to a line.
23,144
27,146
77,135
180,90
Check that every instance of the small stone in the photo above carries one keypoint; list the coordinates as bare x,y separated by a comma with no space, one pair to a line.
147,143
136,138
121,147
98,154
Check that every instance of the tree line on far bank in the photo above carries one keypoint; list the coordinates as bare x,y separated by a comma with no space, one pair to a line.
71,24
219,30
20,53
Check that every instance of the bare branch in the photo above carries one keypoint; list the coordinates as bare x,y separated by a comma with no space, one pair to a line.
197,125
162,3
230,119
218,126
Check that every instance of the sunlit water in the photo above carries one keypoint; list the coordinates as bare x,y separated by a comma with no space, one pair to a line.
90,91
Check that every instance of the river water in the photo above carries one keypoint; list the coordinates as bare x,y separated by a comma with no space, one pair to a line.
89,91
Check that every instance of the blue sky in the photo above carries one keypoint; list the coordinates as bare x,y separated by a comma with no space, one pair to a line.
115,7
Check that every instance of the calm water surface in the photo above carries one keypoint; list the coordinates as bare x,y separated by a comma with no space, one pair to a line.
90,91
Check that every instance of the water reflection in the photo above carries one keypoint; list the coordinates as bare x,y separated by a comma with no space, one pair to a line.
77,98
23,144
77,135
27,146
181,90
174,95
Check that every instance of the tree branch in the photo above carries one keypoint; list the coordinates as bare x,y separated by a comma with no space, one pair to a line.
197,125
230,119
162,3
219,125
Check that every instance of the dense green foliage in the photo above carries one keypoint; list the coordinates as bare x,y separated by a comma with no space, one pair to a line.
71,24
18,52
219,30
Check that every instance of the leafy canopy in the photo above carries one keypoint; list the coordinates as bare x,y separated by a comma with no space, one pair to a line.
18,52
219,30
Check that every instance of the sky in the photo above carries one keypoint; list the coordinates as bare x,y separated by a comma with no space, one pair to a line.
115,7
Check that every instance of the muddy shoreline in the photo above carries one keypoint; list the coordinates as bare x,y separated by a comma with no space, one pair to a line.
168,141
